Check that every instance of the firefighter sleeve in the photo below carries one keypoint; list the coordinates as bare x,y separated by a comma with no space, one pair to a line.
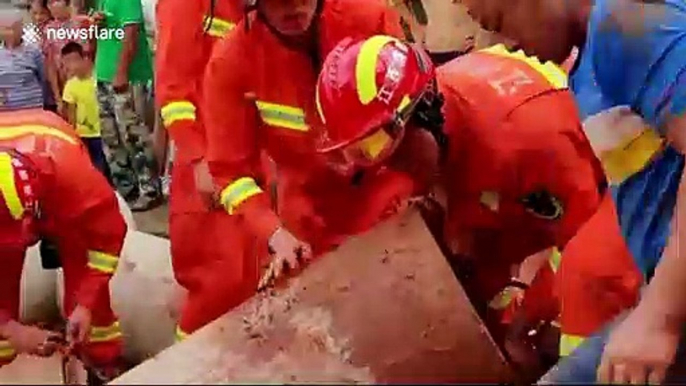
179,63
233,152
88,204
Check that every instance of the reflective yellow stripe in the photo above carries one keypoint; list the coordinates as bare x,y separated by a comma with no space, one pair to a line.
8,188
631,156
569,343
555,75
17,131
106,334
102,262
217,27
177,111
6,350
283,116
554,259
179,335
365,67
237,192
503,299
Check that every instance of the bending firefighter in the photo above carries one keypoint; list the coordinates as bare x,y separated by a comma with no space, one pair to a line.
50,190
259,98
206,244
519,174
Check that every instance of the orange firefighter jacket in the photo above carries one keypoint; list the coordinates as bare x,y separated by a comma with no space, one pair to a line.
259,94
77,205
519,164
186,33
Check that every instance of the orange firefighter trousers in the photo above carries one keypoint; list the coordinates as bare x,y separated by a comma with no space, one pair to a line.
215,261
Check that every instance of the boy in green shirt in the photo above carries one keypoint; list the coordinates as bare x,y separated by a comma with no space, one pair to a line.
124,69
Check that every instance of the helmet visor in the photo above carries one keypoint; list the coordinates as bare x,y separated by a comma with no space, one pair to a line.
368,151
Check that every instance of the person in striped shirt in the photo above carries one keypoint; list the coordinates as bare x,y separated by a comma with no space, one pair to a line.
22,77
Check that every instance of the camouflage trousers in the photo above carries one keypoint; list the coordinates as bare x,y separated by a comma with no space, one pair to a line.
127,141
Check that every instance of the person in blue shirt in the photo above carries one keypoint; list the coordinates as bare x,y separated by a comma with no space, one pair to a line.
632,55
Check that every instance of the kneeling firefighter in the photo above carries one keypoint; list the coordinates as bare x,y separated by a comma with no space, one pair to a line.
519,173
50,190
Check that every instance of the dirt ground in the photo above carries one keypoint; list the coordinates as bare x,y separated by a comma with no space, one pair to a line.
155,222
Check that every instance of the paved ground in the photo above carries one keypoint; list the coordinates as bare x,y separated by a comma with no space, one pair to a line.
155,221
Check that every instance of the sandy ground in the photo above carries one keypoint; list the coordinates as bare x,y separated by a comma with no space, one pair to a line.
155,221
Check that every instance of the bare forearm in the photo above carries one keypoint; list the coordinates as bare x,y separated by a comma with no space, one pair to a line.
129,47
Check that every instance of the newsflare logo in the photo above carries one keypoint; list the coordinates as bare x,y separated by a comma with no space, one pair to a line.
31,33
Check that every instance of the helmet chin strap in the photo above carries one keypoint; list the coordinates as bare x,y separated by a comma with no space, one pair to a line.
428,114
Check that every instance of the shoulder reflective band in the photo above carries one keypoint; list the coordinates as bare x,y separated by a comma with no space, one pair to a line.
216,27
7,352
549,70
282,116
8,188
177,111
554,259
11,132
105,334
237,192
631,156
102,262
569,343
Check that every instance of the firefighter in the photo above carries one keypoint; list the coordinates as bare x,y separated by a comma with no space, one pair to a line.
205,241
259,96
631,54
519,174
50,190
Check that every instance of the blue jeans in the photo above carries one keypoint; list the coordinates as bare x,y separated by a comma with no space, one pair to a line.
581,366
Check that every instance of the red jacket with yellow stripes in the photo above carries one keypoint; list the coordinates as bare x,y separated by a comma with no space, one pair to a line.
259,94
78,208
186,33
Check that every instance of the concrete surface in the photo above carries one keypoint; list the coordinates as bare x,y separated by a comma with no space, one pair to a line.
384,308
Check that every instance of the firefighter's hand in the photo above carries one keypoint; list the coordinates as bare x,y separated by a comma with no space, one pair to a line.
639,350
78,326
203,182
32,340
286,250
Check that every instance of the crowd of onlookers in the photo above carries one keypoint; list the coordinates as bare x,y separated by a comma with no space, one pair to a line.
100,86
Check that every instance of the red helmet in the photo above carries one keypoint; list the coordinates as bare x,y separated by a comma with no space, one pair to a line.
366,93
18,200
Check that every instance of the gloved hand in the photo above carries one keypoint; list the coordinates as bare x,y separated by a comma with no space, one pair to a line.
78,326
32,340
286,250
